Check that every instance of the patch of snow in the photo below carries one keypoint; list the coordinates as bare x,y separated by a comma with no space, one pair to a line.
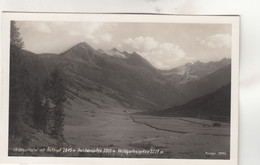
183,70
114,53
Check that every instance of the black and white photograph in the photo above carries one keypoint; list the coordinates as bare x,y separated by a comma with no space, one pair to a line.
122,89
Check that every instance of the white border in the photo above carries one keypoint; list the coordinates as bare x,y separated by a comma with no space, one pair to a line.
7,17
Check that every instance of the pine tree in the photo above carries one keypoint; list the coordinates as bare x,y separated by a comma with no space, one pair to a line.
15,38
58,97
16,90
39,112
57,85
37,109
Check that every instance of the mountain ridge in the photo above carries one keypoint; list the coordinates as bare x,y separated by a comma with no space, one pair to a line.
132,80
190,72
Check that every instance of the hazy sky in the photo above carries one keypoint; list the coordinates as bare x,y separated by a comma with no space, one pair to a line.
165,45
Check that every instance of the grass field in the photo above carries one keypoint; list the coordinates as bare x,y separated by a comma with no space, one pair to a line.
114,127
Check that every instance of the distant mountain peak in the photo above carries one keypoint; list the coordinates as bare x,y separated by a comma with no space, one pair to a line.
115,49
198,62
84,45
81,52
226,59
114,52
134,53
100,50
187,64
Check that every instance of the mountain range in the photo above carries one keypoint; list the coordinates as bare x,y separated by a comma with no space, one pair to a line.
115,78
193,71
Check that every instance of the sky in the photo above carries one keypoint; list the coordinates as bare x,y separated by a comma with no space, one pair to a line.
164,45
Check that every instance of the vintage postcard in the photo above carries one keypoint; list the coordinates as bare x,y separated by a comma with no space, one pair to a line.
113,88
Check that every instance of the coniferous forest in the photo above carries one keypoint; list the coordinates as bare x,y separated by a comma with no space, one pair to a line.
36,98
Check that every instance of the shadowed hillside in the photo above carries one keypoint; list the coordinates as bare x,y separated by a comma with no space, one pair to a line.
213,106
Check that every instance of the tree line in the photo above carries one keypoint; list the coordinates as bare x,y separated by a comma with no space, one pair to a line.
32,101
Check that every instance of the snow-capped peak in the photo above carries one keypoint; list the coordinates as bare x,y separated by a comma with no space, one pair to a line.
115,53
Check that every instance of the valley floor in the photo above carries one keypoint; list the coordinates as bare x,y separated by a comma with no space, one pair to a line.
119,132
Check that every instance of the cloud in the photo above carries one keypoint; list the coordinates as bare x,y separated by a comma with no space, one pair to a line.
43,27
145,43
59,35
87,29
106,37
91,28
73,32
163,55
217,41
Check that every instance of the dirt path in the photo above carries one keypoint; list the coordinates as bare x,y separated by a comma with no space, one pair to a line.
161,129
175,131
203,124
